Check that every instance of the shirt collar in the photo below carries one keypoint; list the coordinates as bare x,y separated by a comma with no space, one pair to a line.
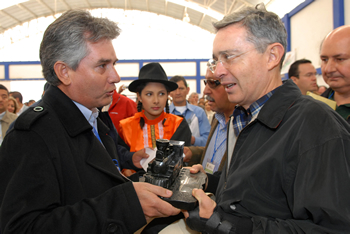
221,119
90,115
256,106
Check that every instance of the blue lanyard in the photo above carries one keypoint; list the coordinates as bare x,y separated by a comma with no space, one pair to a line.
216,149
96,133
331,95
116,163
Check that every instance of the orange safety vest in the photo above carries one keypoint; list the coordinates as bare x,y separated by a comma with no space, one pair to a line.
137,138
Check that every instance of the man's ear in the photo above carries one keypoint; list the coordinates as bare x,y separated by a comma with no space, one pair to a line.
188,90
62,72
295,79
275,52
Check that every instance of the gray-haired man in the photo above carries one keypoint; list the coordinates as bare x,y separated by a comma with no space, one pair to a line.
58,166
288,170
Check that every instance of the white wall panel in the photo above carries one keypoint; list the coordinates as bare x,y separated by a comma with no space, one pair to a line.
179,68
2,72
25,71
309,27
127,69
347,12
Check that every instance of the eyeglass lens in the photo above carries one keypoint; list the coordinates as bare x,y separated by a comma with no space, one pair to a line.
212,83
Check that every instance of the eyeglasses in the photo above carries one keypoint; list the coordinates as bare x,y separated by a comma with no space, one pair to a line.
225,59
212,83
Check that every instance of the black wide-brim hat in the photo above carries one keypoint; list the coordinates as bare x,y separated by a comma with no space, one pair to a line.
152,72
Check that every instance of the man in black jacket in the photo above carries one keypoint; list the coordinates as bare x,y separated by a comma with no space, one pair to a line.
58,166
288,155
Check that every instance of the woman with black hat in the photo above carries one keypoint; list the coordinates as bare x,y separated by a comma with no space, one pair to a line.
151,122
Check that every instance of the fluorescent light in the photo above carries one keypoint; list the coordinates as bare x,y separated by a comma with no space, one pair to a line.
196,7
6,4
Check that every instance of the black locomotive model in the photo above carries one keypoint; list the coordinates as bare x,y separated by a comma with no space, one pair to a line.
167,171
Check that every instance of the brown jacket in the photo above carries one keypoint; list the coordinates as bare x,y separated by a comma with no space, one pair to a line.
6,121
198,152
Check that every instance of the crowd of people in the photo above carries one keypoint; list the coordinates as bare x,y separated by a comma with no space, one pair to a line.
276,159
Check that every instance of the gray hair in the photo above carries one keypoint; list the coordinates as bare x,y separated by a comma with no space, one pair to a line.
263,27
66,40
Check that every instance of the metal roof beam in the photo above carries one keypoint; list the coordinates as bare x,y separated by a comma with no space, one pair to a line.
26,9
230,8
87,2
67,6
8,15
46,6
200,22
166,7
212,3
109,4
246,3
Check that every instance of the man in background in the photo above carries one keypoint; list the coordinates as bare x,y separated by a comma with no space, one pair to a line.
213,155
303,73
6,118
195,116
19,98
193,99
335,66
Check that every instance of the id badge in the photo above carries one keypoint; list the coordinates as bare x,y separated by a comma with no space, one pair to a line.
209,167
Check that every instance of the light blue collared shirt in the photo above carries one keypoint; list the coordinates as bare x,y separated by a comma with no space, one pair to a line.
217,145
90,116
203,123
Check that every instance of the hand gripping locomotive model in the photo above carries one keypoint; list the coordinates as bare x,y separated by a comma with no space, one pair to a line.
167,171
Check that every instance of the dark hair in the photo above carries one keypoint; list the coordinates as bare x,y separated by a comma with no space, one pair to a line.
178,78
294,68
67,37
4,88
263,27
18,95
139,104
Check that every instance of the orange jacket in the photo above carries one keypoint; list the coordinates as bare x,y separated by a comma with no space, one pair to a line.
137,138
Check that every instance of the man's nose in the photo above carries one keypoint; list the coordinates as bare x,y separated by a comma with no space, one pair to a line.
114,76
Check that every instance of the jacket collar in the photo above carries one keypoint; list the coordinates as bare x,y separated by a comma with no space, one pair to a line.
276,107
70,115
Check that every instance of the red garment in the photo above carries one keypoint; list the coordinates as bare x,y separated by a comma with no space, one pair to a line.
134,136
121,108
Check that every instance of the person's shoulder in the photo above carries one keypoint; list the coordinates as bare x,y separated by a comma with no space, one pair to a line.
11,116
198,110
174,117
129,119
30,117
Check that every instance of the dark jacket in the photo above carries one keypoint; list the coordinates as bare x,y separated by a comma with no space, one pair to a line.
289,171
326,95
56,177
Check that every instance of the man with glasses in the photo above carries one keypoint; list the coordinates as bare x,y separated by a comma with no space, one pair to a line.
303,73
288,155
335,66
213,155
